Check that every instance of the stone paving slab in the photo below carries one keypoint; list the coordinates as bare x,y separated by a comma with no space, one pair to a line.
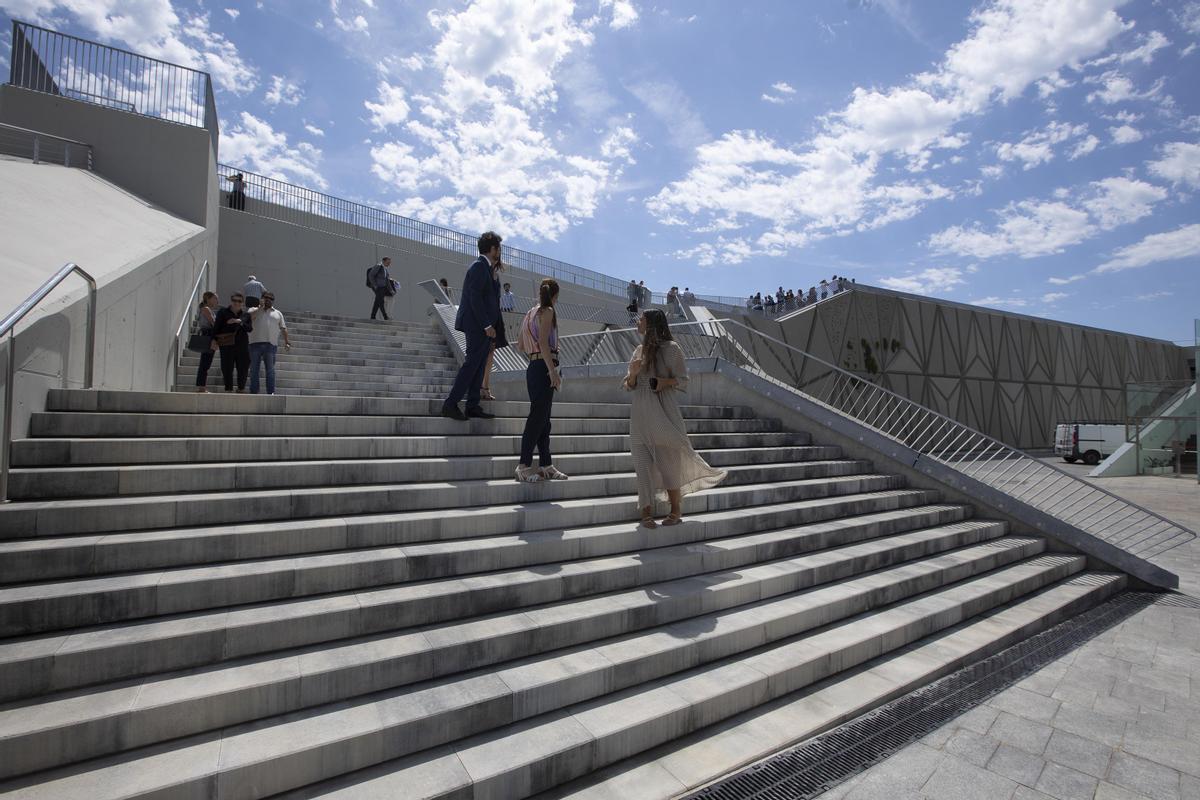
1116,719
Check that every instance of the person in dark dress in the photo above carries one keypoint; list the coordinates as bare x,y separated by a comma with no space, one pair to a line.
231,332
485,393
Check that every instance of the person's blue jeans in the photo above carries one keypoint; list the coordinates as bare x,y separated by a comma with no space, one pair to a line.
262,353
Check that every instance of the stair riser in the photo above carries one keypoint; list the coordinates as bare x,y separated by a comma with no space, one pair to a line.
191,425
85,452
189,645
137,481
301,369
439,387
163,402
153,595
150,723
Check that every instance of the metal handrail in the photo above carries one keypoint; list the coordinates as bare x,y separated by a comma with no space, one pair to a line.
927,433
184,318
36,138
8,326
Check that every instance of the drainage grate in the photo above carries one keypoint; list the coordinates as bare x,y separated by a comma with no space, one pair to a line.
824,761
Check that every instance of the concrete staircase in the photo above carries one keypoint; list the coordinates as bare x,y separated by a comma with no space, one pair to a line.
215,596
341,355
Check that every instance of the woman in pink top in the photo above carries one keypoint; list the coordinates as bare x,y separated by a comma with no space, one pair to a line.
542,380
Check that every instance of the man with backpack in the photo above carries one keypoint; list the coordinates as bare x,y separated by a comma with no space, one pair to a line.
380,281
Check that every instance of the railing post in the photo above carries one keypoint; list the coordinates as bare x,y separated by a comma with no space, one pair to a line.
6,431
36,149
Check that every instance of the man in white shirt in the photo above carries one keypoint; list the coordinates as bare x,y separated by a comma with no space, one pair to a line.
264,340
508,301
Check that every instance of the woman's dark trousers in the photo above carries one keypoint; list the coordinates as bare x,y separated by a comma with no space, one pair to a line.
537,427
206,359
236,355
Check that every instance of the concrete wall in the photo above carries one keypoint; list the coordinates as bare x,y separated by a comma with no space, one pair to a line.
1011,376
143,225
313,263
170,165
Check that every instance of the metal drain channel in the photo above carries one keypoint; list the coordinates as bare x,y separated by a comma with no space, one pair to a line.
818,764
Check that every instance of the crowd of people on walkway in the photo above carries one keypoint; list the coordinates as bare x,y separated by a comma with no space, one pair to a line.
782,300
666,466
245,333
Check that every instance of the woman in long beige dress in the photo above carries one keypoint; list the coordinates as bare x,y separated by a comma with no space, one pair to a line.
666,465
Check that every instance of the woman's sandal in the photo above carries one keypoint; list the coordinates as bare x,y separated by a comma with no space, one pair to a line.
486,394
553,473
528,475
648,522
673,519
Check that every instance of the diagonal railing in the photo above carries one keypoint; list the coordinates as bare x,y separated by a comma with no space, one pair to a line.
925,433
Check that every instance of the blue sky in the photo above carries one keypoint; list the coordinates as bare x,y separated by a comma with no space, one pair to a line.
1040,156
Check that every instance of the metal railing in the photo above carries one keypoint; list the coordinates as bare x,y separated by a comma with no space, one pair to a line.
56,63
40,147
8,326
930,435
189,315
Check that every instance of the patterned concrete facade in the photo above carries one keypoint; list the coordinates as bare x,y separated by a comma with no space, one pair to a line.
1011,376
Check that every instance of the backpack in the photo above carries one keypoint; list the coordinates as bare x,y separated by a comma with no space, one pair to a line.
371,281
527,343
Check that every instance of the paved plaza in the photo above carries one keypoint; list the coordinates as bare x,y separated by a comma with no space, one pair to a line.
1117,719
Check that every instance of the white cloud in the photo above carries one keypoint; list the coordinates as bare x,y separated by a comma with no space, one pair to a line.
1037,147
1152,296
233,13
783,87
770,98
783,93
283,91
151,28
673,108
392,108
1171,246
1083,147
1151,43
624,13
1125,134
1180,164
994,301
1118,88
313,129
253,144
1065,281
1053,297
358,24
827,185
935,280
1187,16
475,151
1032,228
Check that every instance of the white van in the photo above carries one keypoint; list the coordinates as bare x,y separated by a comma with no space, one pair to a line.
1087,441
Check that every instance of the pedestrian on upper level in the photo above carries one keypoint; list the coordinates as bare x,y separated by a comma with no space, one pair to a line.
508,300
207,321
689,299
445,285
477,318
824,288
269,324
643,295
237,193
231,332
253,291
664,462
812,295
634,296
379,280
539,336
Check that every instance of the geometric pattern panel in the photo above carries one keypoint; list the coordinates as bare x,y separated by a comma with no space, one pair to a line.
1010,376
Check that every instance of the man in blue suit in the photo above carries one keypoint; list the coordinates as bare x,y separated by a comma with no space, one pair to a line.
478,315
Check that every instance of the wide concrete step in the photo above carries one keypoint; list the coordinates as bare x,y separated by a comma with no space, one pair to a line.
103,424
166,402
354,332
191,361
296,366
516,748
95,515
401,386
338,391
45,483
43,663
72,727
369,349
364,323
181,450
31,608
690,762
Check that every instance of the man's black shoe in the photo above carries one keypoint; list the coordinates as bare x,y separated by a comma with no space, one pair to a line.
453,413
479,413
